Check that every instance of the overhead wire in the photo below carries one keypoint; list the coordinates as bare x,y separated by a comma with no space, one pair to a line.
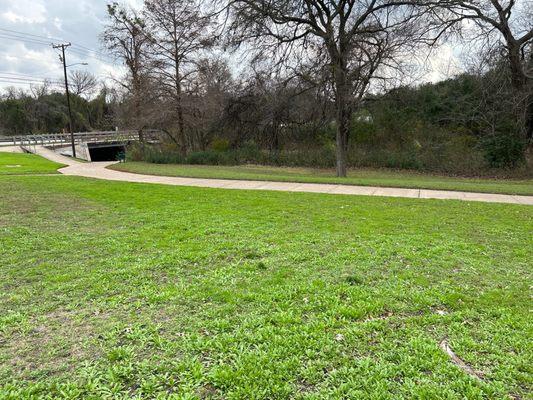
11,31
16,82
25,75
22,39
77,49
30,34
41,37
31,80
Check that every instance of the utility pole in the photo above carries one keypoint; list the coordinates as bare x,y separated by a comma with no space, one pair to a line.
62,58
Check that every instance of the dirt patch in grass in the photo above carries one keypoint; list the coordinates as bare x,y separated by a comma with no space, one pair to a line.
24,208
207,391
26,203
56,344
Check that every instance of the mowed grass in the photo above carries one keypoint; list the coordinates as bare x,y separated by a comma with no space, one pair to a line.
363,177
138,291
22,163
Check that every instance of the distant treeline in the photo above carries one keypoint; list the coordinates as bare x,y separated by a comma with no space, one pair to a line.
307,83
42,111
454,126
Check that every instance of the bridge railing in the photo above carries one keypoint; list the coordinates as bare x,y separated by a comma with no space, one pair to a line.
65,138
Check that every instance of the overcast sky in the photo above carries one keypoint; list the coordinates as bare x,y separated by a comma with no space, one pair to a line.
76,21
79,22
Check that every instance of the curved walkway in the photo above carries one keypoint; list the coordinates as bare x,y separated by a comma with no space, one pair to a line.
98,170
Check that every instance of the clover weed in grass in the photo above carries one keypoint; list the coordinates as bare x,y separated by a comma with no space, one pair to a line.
120,290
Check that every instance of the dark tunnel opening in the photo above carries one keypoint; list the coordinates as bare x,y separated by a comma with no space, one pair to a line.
106,153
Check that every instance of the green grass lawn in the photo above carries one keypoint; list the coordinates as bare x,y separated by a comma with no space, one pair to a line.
22,163
364,177
120,290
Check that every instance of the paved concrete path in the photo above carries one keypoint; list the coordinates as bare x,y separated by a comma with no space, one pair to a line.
10,149
98,170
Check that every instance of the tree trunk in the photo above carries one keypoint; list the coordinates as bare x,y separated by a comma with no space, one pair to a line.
343,118
181,126
529,100
520,82
137,107
529,120
179,109
341,144
518,78
274,141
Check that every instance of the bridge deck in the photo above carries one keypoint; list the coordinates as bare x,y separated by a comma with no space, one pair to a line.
27,141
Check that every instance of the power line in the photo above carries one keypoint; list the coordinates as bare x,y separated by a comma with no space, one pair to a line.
34,80
29,81
38,39
83,53
22,39
5,80
78,52
28,34
84,56
90,50
24,75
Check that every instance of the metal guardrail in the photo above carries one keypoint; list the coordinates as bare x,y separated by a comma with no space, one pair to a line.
28,142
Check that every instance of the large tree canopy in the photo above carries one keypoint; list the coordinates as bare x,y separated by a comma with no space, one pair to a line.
351,40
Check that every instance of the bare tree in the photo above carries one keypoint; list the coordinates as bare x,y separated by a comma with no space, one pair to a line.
504,25
124,36
212,86
82,83
352,40
40,90
178,33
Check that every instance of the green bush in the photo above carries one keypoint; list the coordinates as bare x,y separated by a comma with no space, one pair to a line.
152,154
431,156
219,144
504,151
431,150
362,128
212,157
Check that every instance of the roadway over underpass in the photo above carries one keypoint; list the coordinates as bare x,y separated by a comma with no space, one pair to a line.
90,146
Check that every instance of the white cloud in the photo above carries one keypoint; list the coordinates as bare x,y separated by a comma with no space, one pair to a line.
24,11
58,23
79,22
135,3
443,63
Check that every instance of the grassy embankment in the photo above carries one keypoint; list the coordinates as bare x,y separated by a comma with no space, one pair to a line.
22,163
120,290
363,177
